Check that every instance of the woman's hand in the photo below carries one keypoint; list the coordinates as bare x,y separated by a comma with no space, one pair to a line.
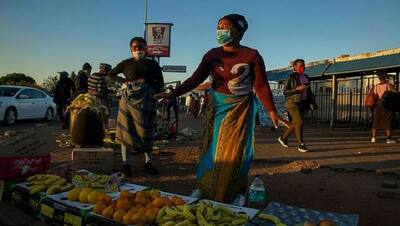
301,88
276,120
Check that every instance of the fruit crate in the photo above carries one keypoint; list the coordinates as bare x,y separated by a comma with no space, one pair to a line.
58,210
94,219
28,203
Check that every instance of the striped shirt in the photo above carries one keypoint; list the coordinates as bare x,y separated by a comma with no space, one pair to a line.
97,85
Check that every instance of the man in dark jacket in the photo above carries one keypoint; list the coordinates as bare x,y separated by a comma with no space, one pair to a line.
81,81
63,95
298,98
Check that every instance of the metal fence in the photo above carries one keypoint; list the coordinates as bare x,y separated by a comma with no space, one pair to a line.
350,107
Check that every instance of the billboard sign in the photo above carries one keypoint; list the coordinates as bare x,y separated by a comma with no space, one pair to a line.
158,38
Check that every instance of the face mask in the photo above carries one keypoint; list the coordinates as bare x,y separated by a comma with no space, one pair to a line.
224,37
137,55
300,70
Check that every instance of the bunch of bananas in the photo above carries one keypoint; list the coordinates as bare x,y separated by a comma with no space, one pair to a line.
46,182
92,180
271,218
202,214
86,100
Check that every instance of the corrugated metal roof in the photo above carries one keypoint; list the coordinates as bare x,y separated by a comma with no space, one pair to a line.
367,64
312,71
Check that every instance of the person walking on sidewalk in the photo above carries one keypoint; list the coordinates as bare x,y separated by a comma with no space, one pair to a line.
136,120
227,153
382,117
298,98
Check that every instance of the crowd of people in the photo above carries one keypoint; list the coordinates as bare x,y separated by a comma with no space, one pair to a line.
229,107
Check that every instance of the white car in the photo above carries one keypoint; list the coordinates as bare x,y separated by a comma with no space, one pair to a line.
19,102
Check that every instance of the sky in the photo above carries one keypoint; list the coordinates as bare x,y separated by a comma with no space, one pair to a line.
41,37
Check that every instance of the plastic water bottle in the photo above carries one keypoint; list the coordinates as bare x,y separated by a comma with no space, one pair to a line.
257,194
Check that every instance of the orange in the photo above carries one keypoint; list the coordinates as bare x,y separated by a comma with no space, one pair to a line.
99,207
125,194
177,201
140,200
118,215
108,212
127,219
105,198
151,215
154,193
168,202
158,202
123,204
137,218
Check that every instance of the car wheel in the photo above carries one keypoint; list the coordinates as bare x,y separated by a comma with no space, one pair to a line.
49,114
10,116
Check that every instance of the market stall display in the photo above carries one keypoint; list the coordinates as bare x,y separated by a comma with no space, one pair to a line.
278,213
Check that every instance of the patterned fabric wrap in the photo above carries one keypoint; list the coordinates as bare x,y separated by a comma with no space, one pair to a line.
136,116
228,146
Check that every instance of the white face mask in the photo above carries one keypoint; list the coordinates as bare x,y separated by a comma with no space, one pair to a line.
137,55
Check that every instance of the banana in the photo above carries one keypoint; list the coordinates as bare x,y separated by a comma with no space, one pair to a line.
242,215
171,212
187,214
239,221
43,176
34,177
269,217
226,219
183,223
169,223
166,218
60,181
200,218
160,214
53,189
281,224
209,213
52,179
67,187
36,189
216,217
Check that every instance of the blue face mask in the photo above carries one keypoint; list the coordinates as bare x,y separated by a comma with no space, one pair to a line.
224,37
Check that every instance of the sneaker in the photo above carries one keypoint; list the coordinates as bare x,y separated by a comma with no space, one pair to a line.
126,170
283,142
240,200
390,141
373,140
302,148
196,194
149,168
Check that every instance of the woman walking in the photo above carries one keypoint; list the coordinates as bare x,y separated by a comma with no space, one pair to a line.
382,117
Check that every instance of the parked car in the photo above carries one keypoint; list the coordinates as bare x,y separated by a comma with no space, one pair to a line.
19,102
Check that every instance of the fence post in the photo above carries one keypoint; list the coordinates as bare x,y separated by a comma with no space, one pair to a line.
351,107
361,105
333,104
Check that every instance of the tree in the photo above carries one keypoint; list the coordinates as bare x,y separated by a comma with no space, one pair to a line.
49,84
18,79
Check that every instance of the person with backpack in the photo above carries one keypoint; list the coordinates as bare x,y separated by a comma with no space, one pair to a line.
382,117
65,91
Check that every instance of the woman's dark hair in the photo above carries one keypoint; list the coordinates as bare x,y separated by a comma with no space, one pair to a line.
239,22
86,66
382,76
297,61
137,39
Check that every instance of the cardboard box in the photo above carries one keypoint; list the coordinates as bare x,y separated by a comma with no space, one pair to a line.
5,188
28,203
97,160
26,153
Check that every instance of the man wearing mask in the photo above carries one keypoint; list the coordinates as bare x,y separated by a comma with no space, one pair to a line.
81,80
63,95
136,119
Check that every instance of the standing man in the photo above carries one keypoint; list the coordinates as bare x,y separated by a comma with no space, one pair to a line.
97,86
136,120
188,101
63,95
203,102
81,81
298,98
171,103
